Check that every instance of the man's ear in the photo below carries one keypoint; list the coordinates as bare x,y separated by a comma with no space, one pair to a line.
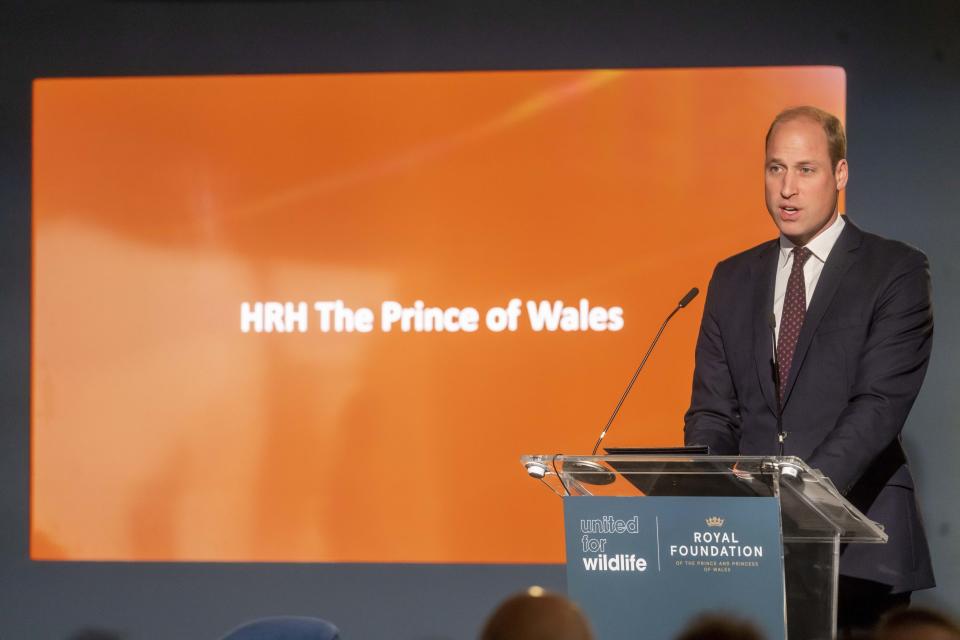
840,174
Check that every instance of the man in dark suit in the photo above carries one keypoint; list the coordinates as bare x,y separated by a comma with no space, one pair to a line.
851,317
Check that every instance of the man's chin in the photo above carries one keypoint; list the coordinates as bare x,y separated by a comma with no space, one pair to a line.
790,229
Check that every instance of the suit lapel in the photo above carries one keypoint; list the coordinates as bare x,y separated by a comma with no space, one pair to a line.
764,274
841,258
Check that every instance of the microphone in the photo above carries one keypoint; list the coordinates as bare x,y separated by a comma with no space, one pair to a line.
684,301
781,435
597,473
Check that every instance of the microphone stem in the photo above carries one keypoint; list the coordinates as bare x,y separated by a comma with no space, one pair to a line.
636,373
781,436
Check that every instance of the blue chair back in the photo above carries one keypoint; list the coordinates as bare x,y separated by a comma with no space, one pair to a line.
285,628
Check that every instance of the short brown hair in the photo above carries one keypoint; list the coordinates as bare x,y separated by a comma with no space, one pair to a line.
916,623
716,626
537,616
836,138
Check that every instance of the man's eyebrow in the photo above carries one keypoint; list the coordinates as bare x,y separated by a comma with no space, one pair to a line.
776,160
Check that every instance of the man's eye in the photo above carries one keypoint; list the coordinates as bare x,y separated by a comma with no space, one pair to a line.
774,168
806,170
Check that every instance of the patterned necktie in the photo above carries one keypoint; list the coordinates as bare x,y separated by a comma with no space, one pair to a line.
791,318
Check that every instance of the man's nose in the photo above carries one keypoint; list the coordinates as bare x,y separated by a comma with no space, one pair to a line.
788,187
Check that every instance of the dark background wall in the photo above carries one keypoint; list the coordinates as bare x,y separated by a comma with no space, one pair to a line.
903,66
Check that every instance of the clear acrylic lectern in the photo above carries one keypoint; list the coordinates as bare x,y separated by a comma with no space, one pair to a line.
814,518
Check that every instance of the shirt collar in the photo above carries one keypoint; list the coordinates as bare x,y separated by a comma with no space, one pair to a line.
820,247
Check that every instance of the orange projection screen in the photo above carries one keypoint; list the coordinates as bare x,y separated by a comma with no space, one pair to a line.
230,359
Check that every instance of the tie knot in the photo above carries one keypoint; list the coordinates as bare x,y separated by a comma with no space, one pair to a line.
800,257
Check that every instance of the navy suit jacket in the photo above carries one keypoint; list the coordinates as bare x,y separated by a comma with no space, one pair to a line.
859,362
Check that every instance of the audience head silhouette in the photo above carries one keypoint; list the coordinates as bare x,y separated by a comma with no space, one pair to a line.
916,624
537,615
720,627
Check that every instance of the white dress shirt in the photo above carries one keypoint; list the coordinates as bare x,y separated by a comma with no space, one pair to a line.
820,248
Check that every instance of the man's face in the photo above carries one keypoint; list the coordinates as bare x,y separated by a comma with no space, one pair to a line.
801,186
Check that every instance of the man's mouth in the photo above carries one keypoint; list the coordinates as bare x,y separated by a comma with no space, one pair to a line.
789,212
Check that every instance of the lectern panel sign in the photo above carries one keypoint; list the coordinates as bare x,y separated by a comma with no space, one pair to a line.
655,562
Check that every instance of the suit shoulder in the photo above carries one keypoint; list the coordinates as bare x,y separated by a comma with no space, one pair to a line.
743,261
886,258
894,251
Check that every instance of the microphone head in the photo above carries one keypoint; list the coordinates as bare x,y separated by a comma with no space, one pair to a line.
685,300
772,320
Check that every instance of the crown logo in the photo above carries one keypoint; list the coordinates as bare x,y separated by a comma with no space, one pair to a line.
714,521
